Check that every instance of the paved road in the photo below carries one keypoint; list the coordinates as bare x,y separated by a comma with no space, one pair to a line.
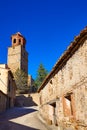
25,118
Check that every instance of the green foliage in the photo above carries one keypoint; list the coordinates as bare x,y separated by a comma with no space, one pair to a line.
21,80
41,74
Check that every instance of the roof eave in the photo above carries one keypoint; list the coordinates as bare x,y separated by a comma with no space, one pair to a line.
63,57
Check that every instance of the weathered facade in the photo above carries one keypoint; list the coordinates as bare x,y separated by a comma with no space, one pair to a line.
7,88
63,94
17,54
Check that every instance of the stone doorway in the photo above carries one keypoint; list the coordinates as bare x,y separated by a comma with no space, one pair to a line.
53,111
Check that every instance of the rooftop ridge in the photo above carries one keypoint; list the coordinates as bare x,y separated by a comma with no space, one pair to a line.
62,57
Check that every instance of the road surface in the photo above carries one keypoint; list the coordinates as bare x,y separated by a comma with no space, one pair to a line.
21,118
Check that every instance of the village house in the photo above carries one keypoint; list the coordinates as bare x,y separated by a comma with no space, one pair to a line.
7,88
63,94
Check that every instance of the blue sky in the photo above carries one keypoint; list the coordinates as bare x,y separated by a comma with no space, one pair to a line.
48,26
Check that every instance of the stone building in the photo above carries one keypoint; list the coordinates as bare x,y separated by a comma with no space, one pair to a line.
31,84
30,80
63,94
7,88
17,54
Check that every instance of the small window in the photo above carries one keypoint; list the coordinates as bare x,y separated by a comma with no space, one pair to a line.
14,41
19,41
68,109
51,82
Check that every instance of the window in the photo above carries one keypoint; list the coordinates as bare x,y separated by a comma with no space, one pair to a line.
51,82
14,41
54,113
19,41
68,102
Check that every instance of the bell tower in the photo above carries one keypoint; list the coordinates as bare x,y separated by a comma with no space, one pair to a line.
17,54
18,39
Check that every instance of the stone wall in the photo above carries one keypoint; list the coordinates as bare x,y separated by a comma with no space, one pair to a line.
18,58
7,88
3,101
35,98
3,79
67,88
11,91
27,99
24,60
69,76
14,57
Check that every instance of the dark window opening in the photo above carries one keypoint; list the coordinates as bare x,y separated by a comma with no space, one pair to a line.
53,104
51,82
14,41
19,41
68,97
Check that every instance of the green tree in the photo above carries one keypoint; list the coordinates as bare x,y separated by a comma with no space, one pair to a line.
41,74
21,81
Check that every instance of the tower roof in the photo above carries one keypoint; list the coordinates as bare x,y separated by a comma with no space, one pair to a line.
18,39
19,34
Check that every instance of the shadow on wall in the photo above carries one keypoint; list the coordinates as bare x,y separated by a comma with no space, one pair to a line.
22,101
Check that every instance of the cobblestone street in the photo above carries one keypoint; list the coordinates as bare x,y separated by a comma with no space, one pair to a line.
25,118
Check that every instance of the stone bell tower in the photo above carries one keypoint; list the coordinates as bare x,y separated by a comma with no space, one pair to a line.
17,54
